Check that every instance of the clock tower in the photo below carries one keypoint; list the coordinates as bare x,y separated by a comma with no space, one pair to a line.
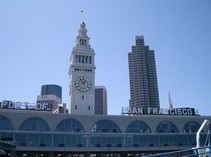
82,75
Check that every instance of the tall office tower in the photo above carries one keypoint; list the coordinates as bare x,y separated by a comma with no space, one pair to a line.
82,75
100,100
143,77
51,96
52,89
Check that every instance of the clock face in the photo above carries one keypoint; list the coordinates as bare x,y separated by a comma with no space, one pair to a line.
83,84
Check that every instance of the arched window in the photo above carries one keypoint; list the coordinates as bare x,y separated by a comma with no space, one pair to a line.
191,126
83,42
166,127
34,124
5,123
138,126
70,125
105,126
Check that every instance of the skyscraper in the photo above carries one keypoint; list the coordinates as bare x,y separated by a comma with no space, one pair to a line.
52,89
100,100
82,75
143,76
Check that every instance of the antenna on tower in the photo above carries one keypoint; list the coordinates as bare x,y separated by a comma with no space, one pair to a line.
170,102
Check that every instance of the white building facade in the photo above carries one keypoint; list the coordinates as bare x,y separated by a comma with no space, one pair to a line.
49,102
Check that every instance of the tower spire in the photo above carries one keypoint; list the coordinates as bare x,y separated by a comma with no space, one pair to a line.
170,102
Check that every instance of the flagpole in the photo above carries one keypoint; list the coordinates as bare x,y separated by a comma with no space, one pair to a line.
82,15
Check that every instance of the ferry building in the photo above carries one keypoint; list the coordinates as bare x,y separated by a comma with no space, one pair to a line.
43,133
35,131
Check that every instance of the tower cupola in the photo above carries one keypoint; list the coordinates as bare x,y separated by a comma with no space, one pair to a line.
82,38
82,31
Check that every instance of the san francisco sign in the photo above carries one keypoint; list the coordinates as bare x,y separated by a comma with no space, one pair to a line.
159,111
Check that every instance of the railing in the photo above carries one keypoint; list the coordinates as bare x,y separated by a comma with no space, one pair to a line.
193,152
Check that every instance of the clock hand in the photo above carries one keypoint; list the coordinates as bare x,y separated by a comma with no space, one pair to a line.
83,81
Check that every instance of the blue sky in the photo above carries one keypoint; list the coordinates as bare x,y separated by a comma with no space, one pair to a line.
36,39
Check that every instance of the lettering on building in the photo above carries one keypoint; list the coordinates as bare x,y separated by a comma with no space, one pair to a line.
24,106
159,111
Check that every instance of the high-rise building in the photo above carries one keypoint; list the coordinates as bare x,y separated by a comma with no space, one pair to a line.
143,76
50,97
82,75
100,100
52,89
